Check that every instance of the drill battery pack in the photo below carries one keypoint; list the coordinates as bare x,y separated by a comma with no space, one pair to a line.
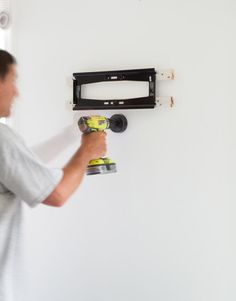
101,166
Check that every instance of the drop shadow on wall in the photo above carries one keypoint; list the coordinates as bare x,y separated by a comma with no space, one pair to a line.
52,147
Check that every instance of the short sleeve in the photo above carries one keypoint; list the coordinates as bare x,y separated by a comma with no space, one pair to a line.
22,173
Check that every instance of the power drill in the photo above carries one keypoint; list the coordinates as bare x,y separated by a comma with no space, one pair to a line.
88,124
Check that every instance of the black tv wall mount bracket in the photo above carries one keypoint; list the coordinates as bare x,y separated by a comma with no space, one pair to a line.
145,75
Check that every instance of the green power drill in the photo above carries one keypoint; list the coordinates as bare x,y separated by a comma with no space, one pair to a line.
88,124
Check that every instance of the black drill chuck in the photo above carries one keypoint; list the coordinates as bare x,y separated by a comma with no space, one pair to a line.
118,123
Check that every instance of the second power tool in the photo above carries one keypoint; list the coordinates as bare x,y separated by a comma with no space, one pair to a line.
88,124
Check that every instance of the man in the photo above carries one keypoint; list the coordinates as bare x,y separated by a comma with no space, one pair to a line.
23,178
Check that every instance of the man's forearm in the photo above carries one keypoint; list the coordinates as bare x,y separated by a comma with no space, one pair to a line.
73,173
92,146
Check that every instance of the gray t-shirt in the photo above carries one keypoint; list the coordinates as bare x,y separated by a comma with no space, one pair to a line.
22,178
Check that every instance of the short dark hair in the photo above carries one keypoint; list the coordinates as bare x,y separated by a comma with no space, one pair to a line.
6,59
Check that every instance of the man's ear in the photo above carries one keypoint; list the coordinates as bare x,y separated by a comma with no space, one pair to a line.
1,85
1,88
1,80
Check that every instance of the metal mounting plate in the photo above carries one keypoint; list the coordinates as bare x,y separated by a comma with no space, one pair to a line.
80,79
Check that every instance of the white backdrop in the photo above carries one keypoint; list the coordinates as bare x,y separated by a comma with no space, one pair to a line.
163,227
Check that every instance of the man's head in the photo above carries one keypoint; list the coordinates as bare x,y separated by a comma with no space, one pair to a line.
8,88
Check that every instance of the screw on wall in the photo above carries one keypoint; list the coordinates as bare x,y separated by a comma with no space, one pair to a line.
4,14
4,19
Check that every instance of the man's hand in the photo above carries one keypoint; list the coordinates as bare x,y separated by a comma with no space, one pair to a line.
94,145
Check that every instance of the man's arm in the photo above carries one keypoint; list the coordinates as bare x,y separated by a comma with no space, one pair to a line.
92,146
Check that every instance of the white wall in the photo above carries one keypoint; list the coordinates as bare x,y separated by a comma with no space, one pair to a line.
163,227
